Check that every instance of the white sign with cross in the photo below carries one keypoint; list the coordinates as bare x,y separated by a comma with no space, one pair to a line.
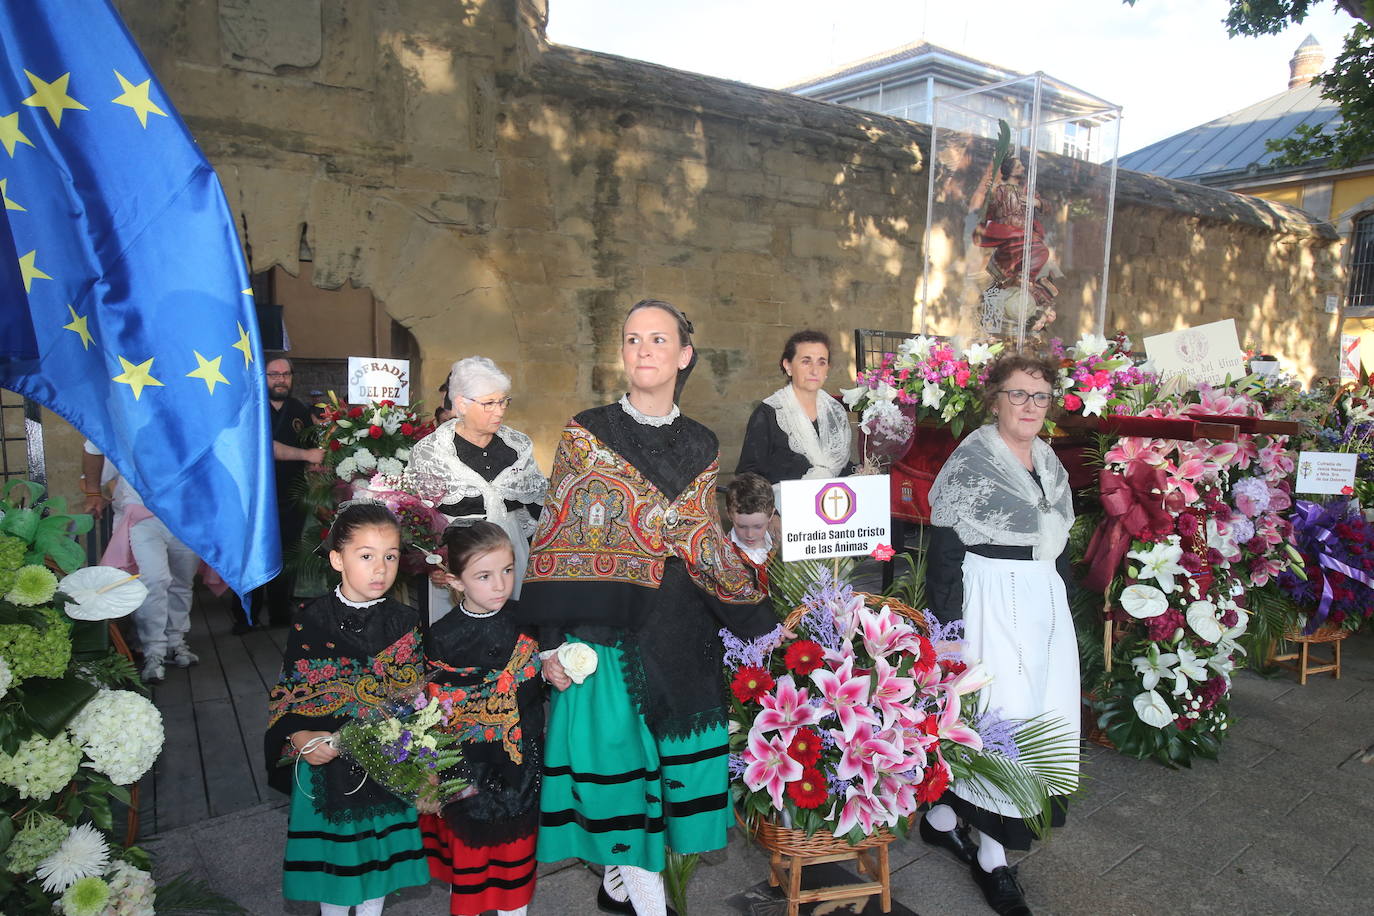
835,517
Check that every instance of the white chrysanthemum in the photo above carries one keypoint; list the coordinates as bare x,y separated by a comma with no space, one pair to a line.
364,459
132,891
402,454
86,897
83,854
121,733
40,767
6,677
390,467
346,469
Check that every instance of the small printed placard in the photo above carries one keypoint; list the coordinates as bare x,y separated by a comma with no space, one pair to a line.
1350,357
1207,354
836,517
1331,473
376,378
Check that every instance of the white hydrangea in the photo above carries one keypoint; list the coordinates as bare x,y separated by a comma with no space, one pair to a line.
390,467
121,733
40,768
364,459
402,454
6,677
132,891
346,469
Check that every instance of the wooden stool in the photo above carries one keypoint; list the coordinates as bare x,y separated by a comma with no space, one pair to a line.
1306,663
790,851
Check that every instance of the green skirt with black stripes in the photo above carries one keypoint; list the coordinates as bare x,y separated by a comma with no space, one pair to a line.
348,860
614,793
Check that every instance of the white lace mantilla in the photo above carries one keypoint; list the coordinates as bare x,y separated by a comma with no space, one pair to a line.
987,496
643,418
434,459
826,451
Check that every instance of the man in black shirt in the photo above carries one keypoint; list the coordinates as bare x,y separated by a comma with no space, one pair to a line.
290,418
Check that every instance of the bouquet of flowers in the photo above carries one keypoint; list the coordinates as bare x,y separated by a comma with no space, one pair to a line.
401,745
923,380
412,499
860,718
1096,374
1335,583
361,440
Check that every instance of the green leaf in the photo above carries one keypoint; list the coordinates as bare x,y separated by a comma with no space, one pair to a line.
90,639
21,523
7,832
51,703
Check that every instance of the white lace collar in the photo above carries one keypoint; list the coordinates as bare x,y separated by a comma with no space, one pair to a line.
643,418
826,449
338,593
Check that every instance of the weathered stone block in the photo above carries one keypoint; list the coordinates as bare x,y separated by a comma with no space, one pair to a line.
263,35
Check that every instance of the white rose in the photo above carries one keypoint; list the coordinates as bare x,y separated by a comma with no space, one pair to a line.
578,660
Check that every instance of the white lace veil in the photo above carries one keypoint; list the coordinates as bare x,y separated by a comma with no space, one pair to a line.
986,495
827,452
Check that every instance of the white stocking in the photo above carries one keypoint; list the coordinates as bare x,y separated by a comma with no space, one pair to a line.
329,909
614,884
371,907
942,818
519,912
646,891
991,854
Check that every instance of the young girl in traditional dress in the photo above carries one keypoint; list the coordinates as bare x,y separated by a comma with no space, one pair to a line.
488,670
349,841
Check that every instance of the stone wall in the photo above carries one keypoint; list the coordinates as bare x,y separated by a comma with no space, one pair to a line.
503,196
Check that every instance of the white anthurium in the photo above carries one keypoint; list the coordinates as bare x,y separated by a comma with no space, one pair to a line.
852,396
102,593
1143,601
1191,666
932,395
1094,401
1160,562
1153,709
1154,666
1091,345
1202,617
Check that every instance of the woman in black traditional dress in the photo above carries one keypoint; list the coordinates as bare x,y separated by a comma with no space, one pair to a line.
481,468
631,569
487,670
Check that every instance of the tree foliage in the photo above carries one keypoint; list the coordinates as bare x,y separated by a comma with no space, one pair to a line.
1349,83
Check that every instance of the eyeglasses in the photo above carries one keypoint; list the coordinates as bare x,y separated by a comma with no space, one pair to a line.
1018,397
286,374
489,406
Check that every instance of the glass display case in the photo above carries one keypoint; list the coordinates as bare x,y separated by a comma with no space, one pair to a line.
1019,213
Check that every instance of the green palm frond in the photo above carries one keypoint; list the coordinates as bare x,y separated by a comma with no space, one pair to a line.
1271,613
788,582
909,585
1042,771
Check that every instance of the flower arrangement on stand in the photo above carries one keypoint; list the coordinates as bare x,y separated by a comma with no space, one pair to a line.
1098,374
76,729
849,726
1333,586
1192,530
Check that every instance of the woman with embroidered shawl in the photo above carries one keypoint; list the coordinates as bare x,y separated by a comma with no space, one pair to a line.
349,841
630,560
487,671
1001,510
479,467
798,431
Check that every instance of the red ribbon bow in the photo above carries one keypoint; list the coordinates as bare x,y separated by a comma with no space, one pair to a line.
1134,503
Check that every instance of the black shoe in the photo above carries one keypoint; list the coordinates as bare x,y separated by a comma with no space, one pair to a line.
1001,890
956,841
608,904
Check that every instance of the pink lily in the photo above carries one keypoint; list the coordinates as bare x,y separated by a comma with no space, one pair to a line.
884,633
891,691
974,677
1134,448
898,794
866,754
863,810
949,728
846,695
768,766
785,709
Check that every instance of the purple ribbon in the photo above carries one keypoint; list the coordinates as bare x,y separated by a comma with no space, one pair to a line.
1307,520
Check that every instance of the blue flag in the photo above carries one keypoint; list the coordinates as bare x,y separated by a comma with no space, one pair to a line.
16,324
138,294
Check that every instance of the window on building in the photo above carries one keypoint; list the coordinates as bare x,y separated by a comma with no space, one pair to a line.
1361,290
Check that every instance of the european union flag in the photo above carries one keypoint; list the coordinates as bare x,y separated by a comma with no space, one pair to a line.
136,285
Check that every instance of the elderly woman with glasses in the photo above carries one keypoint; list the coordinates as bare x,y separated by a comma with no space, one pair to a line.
1001,510
483,469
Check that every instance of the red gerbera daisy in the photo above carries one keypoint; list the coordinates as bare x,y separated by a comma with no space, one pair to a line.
805,747
935,783
810,791
750,683
804,656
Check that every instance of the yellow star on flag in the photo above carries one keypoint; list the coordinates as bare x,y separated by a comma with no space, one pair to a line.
207,371
4,195
137,377
52,96
10,134
245,345
29,270
78,326
136,97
